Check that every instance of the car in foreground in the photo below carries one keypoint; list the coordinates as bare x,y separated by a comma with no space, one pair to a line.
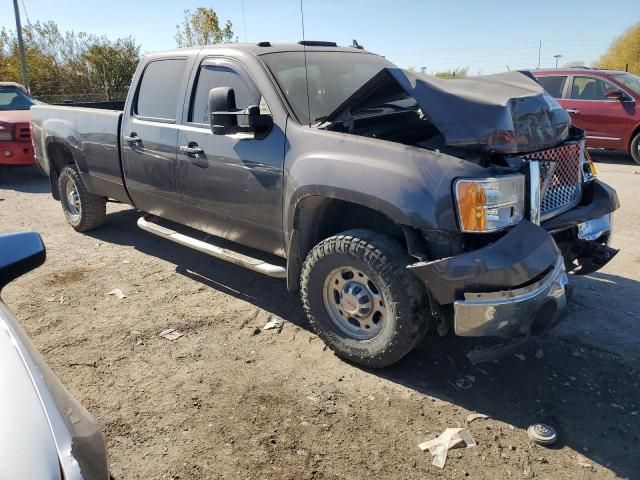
15,125
45,433
604,103
396,203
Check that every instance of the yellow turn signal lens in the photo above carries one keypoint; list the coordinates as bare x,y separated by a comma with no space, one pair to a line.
471,203
590,163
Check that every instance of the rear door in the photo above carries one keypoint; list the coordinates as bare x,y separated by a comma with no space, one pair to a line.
149,136
233,188
604,120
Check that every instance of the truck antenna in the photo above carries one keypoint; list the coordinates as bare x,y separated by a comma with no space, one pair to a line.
306,68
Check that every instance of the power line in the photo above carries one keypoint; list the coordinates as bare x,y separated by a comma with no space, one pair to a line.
25,12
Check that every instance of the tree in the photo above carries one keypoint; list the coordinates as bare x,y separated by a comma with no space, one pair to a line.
69,65
456,72
623,50
202,28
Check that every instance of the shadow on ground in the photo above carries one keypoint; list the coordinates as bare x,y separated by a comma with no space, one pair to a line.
589,396
23,179
611,156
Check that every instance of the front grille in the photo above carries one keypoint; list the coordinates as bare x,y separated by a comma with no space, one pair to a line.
23,132
560,178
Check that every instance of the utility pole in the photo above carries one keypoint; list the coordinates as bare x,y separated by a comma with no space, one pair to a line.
539,52
23,60
557,56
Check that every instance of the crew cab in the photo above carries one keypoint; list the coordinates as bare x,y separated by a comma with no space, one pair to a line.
396,203
15,120
601,102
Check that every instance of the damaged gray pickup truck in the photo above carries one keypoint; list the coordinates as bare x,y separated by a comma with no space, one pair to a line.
394,202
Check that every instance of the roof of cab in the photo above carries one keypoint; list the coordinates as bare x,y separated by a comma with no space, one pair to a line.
261,48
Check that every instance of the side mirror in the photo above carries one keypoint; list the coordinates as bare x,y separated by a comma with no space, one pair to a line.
222,110
19,253
614,94
226,118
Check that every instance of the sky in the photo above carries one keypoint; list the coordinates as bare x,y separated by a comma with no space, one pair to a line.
483,36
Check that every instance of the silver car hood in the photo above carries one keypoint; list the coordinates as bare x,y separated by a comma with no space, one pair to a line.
27,447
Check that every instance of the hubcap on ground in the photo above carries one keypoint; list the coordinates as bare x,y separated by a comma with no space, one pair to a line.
354,303
72,199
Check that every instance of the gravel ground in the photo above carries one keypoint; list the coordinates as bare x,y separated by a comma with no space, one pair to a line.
229,400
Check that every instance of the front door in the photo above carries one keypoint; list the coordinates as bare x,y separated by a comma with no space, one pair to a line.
604,120
232,188
150,137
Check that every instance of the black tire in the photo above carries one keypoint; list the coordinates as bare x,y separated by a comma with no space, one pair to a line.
89,211
384,261
634,149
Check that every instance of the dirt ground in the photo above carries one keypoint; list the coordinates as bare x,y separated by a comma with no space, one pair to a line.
229,401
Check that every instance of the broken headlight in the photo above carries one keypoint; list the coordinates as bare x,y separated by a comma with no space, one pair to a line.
489,204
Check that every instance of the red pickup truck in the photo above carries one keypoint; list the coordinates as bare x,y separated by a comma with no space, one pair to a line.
604,103
15,125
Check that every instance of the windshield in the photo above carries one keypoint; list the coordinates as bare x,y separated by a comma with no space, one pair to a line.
333,77
12,98
628,80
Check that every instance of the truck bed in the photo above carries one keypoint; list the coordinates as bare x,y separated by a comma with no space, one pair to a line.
90,135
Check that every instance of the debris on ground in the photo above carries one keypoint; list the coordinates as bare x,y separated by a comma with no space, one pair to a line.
274,324
451,438
117,293
520,356
171,334
539,353
542,434
476,416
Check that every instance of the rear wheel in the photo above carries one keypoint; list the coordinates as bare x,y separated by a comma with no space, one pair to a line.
361,300
83,210
635,148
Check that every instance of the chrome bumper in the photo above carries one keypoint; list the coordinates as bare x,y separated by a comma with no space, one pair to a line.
510,313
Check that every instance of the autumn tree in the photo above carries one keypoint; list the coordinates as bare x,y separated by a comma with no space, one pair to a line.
202,27
69,65
624,50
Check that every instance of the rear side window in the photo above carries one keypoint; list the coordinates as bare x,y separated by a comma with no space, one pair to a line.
213,76
553,85
588,88
160,89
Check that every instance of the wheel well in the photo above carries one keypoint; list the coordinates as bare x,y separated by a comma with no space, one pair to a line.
318,218
58,156
635,132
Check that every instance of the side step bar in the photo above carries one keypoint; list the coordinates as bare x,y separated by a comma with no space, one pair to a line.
236,258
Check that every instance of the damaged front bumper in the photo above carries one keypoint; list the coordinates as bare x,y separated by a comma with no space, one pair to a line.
511,313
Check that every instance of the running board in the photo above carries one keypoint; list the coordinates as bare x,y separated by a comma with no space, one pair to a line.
236,258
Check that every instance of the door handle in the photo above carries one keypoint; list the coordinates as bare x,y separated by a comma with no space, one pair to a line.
573,110
132,138
191,149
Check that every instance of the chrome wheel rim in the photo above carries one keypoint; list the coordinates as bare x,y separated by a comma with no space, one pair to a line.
354,303
72,200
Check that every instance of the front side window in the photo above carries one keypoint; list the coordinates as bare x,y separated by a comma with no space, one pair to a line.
13,98
160,89
332,77
213,76
554,85
588,88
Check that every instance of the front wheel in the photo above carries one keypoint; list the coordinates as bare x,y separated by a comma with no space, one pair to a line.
84,211
361,300
635,149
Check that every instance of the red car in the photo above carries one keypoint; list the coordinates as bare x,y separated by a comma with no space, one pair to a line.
602,102
15,125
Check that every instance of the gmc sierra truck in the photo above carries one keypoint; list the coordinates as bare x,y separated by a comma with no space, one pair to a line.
396,203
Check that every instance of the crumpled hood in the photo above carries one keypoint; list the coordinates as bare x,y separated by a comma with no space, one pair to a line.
506,112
